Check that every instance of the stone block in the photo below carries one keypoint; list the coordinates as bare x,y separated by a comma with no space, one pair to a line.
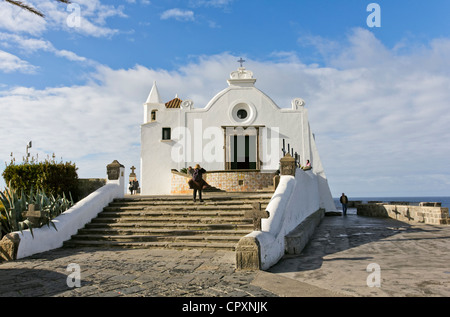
248,254
430,204
287,165
113,170
276,181
9,246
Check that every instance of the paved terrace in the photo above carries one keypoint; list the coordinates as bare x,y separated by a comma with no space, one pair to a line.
414,260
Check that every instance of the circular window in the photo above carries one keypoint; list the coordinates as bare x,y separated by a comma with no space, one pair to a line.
242,114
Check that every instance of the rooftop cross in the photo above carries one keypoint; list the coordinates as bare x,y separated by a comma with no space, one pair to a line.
132,169
241,61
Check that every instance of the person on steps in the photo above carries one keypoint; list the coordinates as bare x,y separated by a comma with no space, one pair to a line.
197,183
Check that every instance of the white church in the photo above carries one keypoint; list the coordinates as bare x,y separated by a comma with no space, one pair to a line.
240,132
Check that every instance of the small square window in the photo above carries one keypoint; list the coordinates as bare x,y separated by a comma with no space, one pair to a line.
166,133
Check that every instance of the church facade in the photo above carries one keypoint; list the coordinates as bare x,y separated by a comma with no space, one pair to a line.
240,129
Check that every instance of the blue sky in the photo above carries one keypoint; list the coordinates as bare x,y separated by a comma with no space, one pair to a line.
138,32
377,97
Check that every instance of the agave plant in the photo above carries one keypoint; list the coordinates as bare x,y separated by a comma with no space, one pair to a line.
50,206
15,206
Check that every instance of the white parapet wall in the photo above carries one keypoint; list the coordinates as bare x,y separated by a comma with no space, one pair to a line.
69,222
295,199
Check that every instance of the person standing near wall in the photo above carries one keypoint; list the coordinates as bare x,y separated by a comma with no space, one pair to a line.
344,202
197,183
131,187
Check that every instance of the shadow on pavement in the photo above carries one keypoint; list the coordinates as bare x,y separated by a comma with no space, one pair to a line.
27,282
340,233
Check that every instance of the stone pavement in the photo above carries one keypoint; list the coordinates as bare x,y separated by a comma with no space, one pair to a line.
128,272
413,260
349,254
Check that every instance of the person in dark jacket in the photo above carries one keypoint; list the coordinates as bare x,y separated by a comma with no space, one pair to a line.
344,202
197,183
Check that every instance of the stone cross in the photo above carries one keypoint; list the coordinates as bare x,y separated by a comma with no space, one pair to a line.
34,215
132,174
257,214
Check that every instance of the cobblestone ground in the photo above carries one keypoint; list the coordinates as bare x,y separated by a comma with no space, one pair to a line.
412,260
347,254
128,272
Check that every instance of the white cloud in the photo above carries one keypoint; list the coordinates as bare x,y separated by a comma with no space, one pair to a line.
70,56
211,3
92,15
381,125
16,20
178,14
10,63
27,46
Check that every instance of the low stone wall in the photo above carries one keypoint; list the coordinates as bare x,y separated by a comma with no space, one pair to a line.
424,213
86,186
297,239
179,183
230,181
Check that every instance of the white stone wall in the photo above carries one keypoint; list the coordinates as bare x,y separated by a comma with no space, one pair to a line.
68,223
294,200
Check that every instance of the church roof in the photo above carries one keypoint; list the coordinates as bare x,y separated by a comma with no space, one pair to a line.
153,96
174,103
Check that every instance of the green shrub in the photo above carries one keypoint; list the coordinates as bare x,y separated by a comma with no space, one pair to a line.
51,177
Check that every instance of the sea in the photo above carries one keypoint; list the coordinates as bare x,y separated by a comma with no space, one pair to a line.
444,200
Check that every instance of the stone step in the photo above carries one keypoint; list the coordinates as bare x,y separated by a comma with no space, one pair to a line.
161,231
185,203
167,221
147,237
153,244
182,225
172,213
171,222
184,207
227,197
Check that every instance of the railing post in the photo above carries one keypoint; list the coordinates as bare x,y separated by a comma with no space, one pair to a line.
115,172
287,165
248,254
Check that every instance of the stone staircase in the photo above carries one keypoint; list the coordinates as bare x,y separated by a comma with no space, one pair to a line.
172,222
